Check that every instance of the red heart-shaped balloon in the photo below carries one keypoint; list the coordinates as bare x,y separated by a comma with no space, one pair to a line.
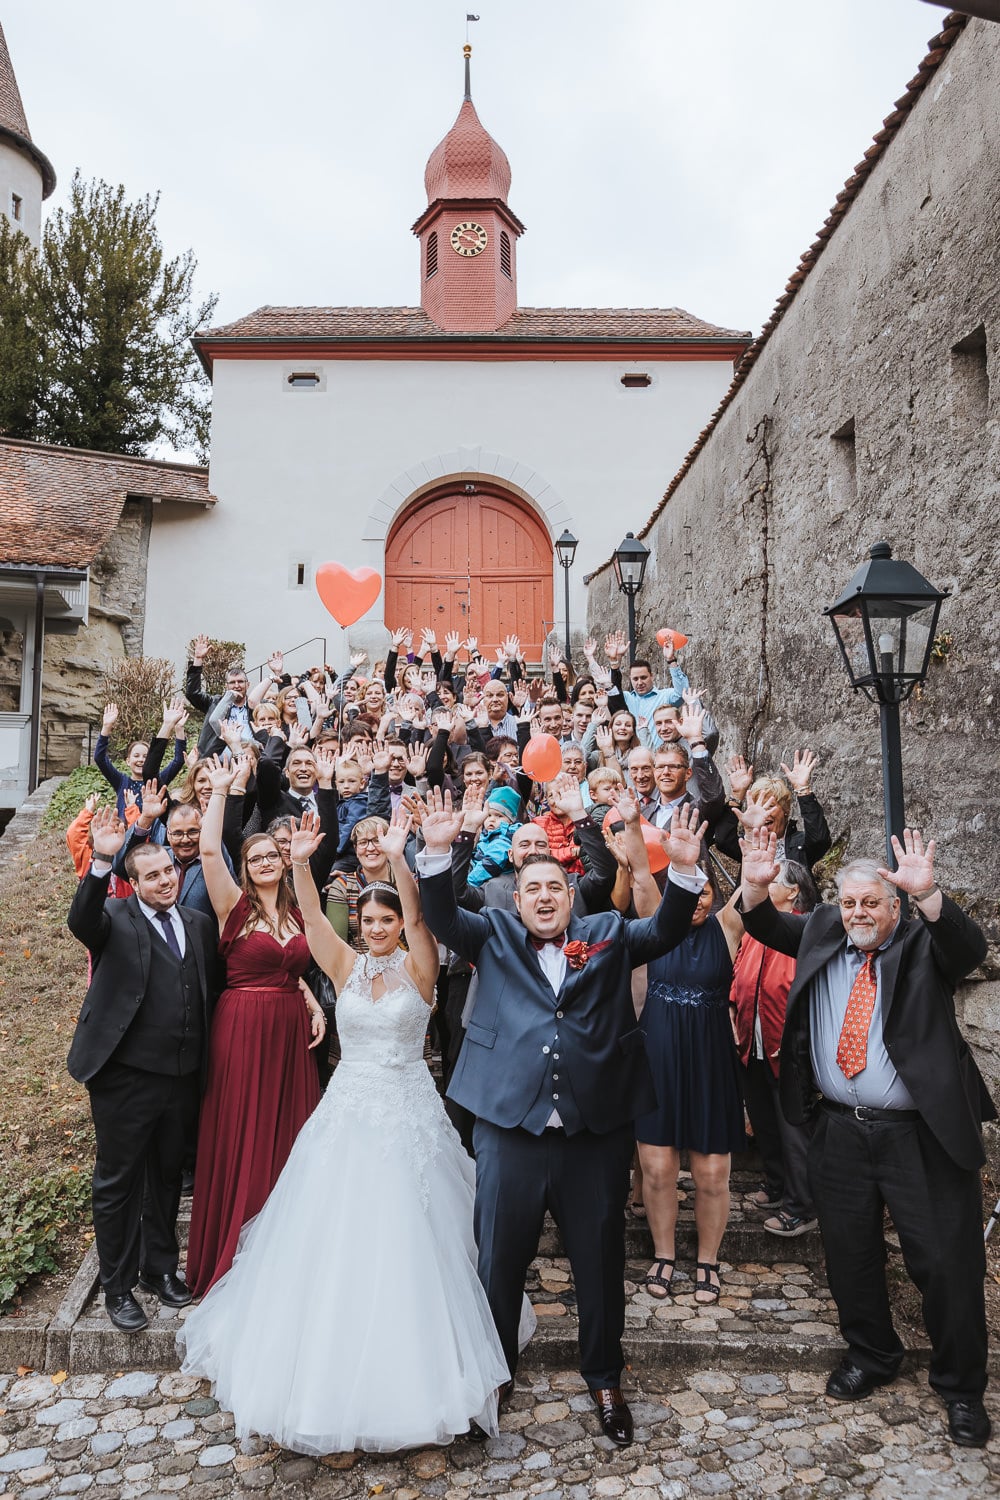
346,594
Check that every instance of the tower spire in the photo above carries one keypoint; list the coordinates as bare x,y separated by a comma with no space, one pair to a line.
26,175
467,53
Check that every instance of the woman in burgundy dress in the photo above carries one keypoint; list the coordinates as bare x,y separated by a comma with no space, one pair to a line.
262,1084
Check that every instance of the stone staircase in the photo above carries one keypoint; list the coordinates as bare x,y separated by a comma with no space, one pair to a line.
775,1313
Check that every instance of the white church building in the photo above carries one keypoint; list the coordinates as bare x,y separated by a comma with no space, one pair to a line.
445,445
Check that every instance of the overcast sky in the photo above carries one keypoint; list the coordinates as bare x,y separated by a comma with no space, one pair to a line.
664,152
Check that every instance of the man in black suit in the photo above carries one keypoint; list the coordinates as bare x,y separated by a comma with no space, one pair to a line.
554,1069
872,1040
140,1046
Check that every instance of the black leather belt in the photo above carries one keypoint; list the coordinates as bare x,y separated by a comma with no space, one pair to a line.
865,1112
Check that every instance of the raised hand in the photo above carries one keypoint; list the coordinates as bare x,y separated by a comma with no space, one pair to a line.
602,739
174,716
472,645
398,636
669,651
758,810
915,863
616,845
512,648
154,803
519,695
682,840
628,806
393,841
760,868
417,763
428,639
443,822
799,773
527,711
200,649
473,810
244,766
380,758
692,725
298,737
107,831
589,647
110,718
692,697
740,777
452,644
357,659
444,719
221,774
326,765
415,806
93,802
555,657
564,795
129,797
615,646
230,733
306,838
276,662
192,757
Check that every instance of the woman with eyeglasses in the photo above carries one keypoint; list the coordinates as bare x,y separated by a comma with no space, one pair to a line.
345,886
262,1085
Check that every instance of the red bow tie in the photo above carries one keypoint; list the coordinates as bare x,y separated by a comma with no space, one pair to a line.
540,943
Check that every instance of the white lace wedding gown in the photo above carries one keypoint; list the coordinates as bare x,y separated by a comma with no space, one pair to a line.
353,1316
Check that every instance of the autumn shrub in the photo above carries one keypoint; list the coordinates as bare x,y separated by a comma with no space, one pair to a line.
139,685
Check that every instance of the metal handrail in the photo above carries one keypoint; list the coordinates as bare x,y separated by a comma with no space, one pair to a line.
289,652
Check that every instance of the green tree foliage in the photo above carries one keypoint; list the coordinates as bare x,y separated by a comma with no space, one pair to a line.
101,331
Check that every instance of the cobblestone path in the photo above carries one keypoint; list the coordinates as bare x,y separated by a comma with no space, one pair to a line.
155,1434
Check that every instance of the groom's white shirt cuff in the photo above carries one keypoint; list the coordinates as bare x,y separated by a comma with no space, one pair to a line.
432,864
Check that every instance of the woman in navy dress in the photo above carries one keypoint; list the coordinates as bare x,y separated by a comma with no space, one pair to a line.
692,1054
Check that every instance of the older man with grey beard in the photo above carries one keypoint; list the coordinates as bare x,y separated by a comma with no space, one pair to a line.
872,1054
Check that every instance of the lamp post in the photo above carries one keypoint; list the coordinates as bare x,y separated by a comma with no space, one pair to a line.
629,564
885,622
566,551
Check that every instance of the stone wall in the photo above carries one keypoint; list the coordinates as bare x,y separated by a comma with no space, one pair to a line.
74,664
871,413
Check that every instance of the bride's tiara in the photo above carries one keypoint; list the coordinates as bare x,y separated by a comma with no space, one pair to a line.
380,885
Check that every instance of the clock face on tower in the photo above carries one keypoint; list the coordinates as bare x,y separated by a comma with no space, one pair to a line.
468,238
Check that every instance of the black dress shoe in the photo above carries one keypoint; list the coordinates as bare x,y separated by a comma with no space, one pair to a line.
616,1419
125,1312
968,1423
171,1291
849,1382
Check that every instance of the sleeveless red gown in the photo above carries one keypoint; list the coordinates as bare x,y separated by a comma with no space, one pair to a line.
262,1087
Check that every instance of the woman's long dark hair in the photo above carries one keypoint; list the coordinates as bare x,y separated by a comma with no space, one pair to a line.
259,916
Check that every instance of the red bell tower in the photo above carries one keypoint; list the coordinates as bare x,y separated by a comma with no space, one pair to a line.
468,235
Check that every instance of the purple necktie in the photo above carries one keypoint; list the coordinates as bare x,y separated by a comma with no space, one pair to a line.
163,918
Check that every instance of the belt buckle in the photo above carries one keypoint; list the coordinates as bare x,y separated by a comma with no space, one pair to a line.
858,1115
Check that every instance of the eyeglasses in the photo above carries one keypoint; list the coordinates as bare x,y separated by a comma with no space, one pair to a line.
177,836
272,858
371,843
672,765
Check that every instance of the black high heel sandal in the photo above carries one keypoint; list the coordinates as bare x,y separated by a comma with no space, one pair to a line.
703,1283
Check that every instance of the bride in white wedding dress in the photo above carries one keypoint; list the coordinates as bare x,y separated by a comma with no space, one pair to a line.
353,1316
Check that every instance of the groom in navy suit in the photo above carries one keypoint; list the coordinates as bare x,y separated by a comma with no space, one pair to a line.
554,1069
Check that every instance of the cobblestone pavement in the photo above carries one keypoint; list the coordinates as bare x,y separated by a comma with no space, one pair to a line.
155,1435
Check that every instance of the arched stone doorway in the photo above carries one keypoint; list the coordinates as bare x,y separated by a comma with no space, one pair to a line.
478,563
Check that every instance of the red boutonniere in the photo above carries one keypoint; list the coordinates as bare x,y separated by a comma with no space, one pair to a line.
578,954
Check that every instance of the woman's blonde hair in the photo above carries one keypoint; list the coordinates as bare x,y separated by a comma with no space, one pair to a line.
776,787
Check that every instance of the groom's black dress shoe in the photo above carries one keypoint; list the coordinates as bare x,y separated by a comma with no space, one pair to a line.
171,1291
125,1312
968,1423
849,1382
616,1419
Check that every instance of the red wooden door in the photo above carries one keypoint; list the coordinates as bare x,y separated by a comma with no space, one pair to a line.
480,564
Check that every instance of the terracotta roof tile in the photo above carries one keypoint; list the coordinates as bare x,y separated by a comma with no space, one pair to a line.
12,116
58,506
362,323
938,48
467,163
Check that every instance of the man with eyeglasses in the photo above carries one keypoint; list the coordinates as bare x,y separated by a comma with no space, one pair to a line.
183,829
872,1058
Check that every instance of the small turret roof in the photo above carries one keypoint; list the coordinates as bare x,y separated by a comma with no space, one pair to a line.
14,122
468,163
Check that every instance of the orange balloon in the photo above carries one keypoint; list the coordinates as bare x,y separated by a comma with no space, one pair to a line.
655,851
346,594
542,758
671,638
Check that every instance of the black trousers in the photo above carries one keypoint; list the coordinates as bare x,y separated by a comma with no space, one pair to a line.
857,1167
143,1123
783,1147
583,1181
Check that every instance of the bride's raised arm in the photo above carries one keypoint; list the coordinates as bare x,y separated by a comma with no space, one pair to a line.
334,956
424,959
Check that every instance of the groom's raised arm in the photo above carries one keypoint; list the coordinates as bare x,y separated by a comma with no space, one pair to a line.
650,937
464,932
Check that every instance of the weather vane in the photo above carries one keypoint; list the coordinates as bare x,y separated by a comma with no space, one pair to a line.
468,17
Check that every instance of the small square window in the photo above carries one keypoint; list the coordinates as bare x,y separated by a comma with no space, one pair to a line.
16,208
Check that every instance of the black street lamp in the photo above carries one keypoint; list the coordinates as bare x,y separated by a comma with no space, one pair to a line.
566,551
629,563
885,622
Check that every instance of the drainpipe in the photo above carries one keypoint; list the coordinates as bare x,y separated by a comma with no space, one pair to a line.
36,682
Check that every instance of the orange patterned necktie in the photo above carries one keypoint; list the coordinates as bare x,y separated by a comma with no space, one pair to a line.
852,1049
